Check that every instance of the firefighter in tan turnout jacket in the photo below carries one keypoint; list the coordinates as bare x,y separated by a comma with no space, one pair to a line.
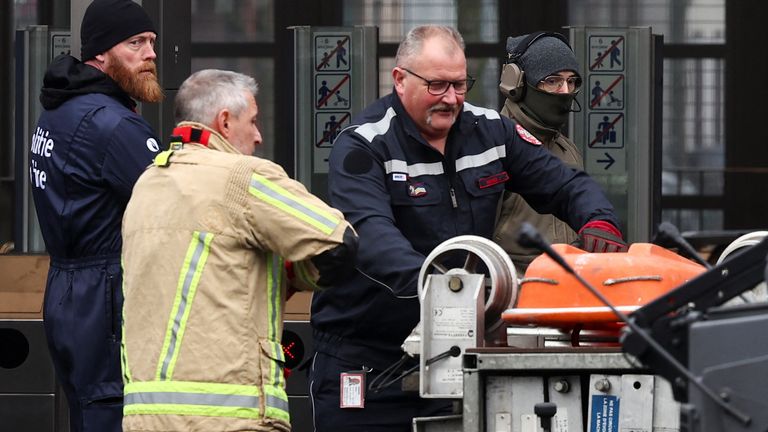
206,234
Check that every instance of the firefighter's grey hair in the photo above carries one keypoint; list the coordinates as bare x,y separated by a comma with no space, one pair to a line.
414,40
206,92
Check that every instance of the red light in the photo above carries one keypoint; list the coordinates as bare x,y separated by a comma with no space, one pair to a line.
287,350
293,349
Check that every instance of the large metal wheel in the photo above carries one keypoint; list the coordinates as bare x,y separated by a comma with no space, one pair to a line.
477,255
759,293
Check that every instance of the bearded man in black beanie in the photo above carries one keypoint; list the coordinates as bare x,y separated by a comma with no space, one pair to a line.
88,150
541,81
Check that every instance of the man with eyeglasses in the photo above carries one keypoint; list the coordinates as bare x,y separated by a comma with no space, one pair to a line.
419,167
541,105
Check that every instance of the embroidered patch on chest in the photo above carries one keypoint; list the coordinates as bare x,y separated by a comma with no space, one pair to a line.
527,136
486,182
417,190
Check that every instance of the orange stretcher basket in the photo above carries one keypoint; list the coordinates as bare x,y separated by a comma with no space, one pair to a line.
551,297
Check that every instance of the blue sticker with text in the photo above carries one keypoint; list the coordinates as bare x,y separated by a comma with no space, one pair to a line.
605,413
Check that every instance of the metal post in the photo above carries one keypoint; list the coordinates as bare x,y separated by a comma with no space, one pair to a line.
6,113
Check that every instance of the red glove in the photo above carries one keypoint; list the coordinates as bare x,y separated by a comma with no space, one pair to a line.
601,236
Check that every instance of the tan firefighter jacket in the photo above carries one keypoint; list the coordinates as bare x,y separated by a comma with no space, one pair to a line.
515,210
205,235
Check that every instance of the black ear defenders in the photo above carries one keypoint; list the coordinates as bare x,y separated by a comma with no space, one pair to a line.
512,84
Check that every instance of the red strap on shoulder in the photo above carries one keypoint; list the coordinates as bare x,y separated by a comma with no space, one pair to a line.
192,134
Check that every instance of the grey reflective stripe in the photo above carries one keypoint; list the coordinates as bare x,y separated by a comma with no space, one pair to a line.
192,399
301,208
274,305
183,304
395,165
369,131
482,159
276,402
415,170
478,111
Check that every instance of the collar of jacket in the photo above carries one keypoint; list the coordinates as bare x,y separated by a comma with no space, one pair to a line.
410,125
537,128
67,77
215,140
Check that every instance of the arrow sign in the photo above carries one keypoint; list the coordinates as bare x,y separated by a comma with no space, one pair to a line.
608,161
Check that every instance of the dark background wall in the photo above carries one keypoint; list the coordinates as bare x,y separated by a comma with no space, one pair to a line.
746,99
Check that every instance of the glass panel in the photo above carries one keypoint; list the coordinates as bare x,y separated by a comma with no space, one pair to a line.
24,13
386,64
677,181
485,93
712,219
263,71
692,21
479,19
694,220
690,183
671,216
694,126
712,183
233,21
689,220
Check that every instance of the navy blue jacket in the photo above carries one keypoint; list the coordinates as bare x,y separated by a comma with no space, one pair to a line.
404,198
88,150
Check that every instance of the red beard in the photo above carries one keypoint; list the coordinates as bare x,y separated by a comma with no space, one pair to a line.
140,84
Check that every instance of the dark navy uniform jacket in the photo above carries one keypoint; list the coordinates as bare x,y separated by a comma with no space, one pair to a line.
404,198
87,151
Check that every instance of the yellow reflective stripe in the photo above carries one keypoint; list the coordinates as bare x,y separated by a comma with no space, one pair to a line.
189,277
281,198
123,354
275,266
192,387
301,272
276,401
204,399
192,398
198,410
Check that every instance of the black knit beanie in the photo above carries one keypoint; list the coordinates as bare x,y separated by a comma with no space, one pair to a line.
106,23
546,56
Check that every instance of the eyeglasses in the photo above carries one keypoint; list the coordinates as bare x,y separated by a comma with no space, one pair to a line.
439,87
554,83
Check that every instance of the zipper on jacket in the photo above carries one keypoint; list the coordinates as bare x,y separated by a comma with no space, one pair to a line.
114,311
453,198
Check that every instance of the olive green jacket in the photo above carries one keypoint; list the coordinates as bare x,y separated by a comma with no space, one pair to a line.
515,210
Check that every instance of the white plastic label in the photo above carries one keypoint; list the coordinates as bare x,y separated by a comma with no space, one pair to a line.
452,323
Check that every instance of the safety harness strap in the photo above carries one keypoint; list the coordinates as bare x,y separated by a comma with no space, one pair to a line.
192,134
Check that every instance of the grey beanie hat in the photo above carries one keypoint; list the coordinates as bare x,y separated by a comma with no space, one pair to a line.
546,56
